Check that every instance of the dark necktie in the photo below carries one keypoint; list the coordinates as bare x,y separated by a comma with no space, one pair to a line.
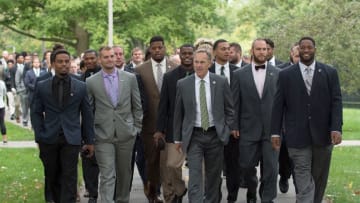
61,92
222,71
203,106
259,67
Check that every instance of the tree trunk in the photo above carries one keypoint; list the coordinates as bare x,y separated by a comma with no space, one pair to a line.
82,39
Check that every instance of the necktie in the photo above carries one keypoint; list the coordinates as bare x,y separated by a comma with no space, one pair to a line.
222,71
308,79
112,90
203,107
159,75
260,67
61,92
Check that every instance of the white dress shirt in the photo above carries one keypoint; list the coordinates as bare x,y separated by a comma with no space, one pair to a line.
239,64
154,67
226,70
208,100
272,61
259,78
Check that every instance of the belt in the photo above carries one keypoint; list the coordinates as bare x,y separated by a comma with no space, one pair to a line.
212,128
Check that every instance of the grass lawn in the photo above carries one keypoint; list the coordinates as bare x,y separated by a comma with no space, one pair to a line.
344,181
351,127
16,133
22,176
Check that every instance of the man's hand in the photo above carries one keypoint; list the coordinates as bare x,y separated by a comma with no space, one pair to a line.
178,147
276,143
89,150
235,134
336,137
157,136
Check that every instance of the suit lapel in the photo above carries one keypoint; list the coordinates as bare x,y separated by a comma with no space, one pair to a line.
317,78
121,84
212,88
300,79
251,81
268,79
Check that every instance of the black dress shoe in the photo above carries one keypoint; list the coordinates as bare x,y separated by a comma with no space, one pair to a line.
251,197
92,200
284,185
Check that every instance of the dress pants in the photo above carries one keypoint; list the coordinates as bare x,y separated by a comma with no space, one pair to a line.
11,102
251,153
60,166
311,168
208,147
139,159
90,170
232,168
173,184
25,108
114,160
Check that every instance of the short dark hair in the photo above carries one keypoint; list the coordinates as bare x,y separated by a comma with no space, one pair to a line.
187,45
91,51
307,38
237,46
57,52
10,61
157,38
269,42
58,46
17,55
217,42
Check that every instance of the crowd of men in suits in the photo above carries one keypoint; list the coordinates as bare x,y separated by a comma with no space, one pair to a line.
219,113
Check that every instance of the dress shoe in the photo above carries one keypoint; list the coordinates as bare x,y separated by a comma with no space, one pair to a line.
12,117
231,201
157,199
92,200
284,185
178,199
86,194
251,197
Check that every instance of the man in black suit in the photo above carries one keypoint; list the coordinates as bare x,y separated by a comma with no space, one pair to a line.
235,55
165,123
59,103
270,46
89,165
285,165
221,66
309,99
254,88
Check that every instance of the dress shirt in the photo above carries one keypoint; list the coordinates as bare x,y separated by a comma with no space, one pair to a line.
111,88
272,61
36,71
239,64
154,67
208,100
259,78
303,69
226,70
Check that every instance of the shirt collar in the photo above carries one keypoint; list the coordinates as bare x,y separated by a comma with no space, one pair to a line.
226,65
303,66
154,63
113,74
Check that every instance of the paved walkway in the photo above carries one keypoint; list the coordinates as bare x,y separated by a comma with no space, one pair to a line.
137,195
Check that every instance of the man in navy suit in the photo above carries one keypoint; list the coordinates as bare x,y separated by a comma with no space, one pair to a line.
308,97
31,77
60,103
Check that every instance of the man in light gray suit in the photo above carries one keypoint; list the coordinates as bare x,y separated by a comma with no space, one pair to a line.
115,97
254,88
203,118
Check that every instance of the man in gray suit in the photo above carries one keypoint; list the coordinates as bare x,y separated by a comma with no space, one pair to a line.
115,97
203,118
254,88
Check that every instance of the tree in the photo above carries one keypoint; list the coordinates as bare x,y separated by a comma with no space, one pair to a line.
82,24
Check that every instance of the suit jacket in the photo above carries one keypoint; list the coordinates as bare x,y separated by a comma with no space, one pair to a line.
119,123
284,65
47,117
30,81
254,112
185,114
308,118
167,102
152,94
